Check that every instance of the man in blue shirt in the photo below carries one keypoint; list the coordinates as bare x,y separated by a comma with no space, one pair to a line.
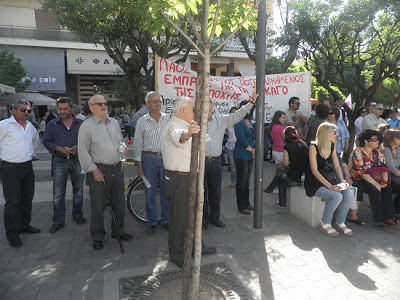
61,139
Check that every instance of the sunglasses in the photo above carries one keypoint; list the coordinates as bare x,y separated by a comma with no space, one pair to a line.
364,111
334,132
379,108
25,110
100,104
374,140
331,113
297,103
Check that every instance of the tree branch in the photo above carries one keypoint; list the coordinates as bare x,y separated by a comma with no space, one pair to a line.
210,38
236,30
183,33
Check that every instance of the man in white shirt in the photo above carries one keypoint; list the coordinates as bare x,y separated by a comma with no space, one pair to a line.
372,120
176,147
18,141
148,156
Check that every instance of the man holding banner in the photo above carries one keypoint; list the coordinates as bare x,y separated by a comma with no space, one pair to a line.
216,127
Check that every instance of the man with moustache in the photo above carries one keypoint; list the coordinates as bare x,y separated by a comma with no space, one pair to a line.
18,141
148,156
61,139
98,141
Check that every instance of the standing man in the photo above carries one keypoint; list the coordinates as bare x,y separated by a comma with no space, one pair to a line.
339,102
52,108
61,139
176,147
147,154
295,118
216,128
98,142
372,120
18,141
76,112
126,119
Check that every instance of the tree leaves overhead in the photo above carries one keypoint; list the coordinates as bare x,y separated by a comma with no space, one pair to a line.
11,70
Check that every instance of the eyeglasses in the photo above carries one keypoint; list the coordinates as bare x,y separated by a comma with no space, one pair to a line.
25,110
374,140
379,108
100,104
331,113
334,132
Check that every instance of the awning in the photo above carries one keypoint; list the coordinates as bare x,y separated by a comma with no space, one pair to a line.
5,89
35,97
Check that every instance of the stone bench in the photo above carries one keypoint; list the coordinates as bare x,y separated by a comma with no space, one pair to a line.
307,209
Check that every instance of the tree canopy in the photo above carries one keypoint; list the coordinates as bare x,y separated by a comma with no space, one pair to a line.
12,71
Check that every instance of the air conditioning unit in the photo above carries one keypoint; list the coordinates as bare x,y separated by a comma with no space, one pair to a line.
111,97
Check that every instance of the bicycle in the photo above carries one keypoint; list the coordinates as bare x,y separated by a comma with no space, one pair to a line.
136,201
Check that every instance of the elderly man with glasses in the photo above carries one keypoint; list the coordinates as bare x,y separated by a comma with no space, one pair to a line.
98,141
372,120
294,117
18,141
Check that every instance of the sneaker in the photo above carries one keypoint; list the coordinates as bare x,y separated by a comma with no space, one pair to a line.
267,191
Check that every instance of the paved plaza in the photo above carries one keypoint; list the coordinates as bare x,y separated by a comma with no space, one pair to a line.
286,259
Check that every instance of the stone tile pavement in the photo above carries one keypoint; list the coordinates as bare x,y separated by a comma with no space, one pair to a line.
286,259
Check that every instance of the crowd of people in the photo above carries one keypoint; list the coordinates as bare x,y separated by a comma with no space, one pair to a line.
162,150
319,154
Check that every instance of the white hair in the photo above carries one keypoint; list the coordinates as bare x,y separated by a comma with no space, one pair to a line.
181,102
149,94
94,97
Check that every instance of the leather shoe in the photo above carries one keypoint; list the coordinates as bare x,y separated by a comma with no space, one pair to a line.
166,227
124,237
30,229
245,212
219,224
179,263
15,242
79,220
208,250
251,207
97,245
151,229
55,227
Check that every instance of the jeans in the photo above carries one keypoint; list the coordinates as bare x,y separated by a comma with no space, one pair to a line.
18,190
212,191
340,200
155,173
232,166
244,169
61,168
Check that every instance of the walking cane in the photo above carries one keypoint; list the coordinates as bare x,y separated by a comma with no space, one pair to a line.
112,213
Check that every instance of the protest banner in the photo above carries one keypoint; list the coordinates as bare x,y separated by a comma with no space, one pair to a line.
174,80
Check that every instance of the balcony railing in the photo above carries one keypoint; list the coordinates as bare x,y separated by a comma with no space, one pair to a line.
37,33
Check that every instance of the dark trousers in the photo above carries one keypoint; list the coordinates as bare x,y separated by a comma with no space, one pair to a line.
381,202
212,191
243,170
396,200
177,190
18,190
282,185
98,197
127,132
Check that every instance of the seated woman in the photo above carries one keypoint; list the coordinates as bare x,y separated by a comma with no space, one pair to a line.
295,157
368,168
323,178
391,151
278,120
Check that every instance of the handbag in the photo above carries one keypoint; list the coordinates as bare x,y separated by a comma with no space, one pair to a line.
377,174
329,174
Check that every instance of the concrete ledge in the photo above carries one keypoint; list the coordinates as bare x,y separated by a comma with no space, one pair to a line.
307,209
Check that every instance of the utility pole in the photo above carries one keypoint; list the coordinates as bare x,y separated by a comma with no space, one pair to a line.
260,115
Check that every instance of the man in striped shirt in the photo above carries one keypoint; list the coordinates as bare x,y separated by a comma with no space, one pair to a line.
147,154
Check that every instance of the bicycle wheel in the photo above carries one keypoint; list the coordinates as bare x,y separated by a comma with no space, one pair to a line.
136,201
